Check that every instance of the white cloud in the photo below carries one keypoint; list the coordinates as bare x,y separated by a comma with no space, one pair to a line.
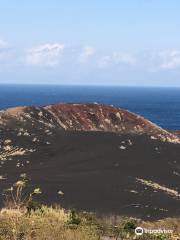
124,58
6,53
117,58
88,58
87,52
45,55
170,59
3,44
104,61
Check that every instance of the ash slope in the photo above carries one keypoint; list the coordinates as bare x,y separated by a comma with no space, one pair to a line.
104,159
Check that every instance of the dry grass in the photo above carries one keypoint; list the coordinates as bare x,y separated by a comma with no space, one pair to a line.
56,224
115,226
25,219
49,224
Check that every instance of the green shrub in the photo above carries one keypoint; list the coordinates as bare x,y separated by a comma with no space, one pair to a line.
130,225
74,218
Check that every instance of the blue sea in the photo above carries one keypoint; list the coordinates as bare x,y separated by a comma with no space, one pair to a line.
160,105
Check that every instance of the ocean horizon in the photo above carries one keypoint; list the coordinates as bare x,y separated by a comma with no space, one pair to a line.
157,104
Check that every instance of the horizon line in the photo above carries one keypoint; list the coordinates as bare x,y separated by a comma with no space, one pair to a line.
86,85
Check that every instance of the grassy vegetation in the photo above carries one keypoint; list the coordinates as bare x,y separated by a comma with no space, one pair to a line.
48,224
55,223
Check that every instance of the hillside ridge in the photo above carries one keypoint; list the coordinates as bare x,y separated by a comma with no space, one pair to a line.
87,117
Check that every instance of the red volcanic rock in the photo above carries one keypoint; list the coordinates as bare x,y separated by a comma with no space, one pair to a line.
15,110
90,117
98,118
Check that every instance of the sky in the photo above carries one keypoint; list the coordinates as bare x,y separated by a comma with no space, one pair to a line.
125,43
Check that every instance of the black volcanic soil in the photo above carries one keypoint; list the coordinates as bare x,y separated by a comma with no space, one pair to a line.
95,174
134,171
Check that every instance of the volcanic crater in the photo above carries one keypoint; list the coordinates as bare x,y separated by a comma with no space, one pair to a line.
103,159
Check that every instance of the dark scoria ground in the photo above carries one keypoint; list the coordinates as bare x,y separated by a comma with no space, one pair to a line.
121,173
